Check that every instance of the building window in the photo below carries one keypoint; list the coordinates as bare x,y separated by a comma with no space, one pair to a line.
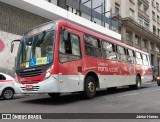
157,19
144,43
72,10
153,3
137,40
154,29
153,15
139,4
159,32
117,10
131,13
157,6
145,8
151,46
157,49
132,1
146,24
128,36
140,21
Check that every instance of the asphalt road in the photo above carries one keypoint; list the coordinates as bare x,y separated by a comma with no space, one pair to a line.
122,100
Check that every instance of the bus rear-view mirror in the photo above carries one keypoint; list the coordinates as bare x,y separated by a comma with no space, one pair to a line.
12,44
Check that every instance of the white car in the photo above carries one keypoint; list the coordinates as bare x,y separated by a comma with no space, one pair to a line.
7,90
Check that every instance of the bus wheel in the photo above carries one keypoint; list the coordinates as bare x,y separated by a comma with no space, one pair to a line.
137,85
89,88
138,82
7,94
54,95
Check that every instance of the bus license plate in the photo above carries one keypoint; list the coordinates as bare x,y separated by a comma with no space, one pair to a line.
28,87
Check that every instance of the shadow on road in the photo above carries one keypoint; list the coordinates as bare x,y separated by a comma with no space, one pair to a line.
14,98
63,99
72,98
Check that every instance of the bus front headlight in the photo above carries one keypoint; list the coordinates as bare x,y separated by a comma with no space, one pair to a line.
48,73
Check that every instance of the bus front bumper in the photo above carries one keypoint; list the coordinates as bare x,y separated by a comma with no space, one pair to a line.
49,85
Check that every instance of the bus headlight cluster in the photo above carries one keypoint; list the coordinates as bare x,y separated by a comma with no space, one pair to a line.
48,73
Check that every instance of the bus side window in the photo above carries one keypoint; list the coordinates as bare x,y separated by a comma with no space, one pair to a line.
122,54
109,51
138,58
148,58
92,46
145,60
69,49
131,56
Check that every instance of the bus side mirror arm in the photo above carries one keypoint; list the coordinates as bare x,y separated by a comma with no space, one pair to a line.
12,44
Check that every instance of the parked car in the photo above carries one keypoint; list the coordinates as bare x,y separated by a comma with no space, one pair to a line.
158,80
7,90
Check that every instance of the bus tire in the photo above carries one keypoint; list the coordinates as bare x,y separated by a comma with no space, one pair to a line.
7,93
54,95
89,87
138,83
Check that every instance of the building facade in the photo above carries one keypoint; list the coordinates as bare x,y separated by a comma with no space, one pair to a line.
140,25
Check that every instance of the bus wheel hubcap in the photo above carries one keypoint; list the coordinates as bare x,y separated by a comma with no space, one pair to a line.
91,87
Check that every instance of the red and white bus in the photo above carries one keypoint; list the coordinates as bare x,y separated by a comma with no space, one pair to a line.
60,56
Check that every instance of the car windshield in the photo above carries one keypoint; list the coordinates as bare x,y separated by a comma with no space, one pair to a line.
36,50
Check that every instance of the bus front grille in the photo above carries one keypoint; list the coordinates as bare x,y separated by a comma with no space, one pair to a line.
35,88
30,73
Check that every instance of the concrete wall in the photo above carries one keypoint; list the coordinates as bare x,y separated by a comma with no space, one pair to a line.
7,59
17,21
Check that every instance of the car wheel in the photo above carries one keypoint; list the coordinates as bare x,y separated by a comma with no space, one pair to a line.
158,84
89,88
54,95
7,94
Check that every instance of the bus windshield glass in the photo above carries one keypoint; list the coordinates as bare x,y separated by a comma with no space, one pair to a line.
36,49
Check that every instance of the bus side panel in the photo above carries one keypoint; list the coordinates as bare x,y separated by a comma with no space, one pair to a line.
119,74
70,72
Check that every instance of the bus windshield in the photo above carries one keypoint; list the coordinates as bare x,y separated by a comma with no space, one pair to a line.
36,50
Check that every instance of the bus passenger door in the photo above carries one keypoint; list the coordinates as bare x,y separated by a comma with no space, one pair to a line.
70,61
